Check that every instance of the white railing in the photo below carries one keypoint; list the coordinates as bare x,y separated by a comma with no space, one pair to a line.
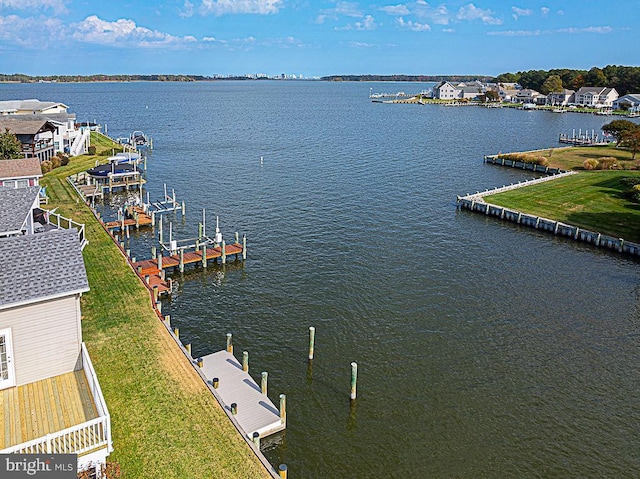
80,439
79,144
59,221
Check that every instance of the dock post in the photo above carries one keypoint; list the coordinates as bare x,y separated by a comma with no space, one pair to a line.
182,260
155,292
223,251
188,348
126,228
354,379
230,343
204,255
128,252
137,220
199,230
200,362
153,252
159,307
256,439
184,210
234,408
160,262
215,382
263,382
312,337
244,247
283,409
153,219
237,242
139,269
176,333
245,361
160,229
282,471
146,278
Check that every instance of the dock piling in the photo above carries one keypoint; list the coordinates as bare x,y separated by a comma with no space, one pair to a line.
188,348
244,247
234,408
312,337
256,439
237,238
354,379
204,255
283,409
176,333
245,361
224,253
200,362
182,260
167,320
215,382
263,382
282,471
230,343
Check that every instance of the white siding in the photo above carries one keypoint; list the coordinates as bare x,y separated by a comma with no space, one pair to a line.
46,338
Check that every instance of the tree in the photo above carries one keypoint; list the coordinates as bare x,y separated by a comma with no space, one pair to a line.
631,139
618,127
595,77
553,83
492,95
10,146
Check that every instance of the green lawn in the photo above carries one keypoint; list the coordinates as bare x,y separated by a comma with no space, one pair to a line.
593,200
573,157
165,422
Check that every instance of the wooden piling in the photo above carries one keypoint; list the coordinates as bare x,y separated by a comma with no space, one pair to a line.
237,238
256,439
230,343
245,361
188,348
312,336
160,230
182,260
200,362
153,252
167,320
283,409
244,247
160,261
224,253
176,333
354,379
204,255
263,382
183,209
234,408
155,293
282,471
215,382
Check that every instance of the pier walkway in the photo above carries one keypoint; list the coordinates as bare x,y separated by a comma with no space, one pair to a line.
254,410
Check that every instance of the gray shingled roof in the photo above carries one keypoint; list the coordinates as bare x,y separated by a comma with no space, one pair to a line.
41,266
15,206
25,127
22,167
34,105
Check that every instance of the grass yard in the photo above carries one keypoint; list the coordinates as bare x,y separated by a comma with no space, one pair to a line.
594,200
165,422
573,157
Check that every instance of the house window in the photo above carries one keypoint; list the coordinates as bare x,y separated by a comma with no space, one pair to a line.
22,183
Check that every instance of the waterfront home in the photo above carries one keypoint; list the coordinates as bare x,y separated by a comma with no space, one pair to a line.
561,98
42,355
31,107
508,95
596,96
20,173
527,95
35,135
17,212
629,102
446,91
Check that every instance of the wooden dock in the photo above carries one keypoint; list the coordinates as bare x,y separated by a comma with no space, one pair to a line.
255,411
136,218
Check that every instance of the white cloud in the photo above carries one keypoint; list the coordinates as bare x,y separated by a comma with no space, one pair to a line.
122,32
187,10
222,7
396,10
369,23
470,12
517,33
586,30
521,12
439,15
362,45
30,32
347,9
413,26
55,5
545,10
571,30
448,30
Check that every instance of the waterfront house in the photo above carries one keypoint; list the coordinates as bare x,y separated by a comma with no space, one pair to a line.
42,356
20,173
31,107
561,98
17,212
508,95
446,91
629,102
527,95
596,96
35,135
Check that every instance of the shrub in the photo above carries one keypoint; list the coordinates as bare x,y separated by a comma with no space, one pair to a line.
635,193
606,163
64,159
92,150
55,162
590,164
45,166
630,181
542,161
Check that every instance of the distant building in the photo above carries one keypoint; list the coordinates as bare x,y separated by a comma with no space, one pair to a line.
596,96
561,98
528,95
31,107
629,102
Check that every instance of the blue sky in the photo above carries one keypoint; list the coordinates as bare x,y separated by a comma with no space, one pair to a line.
314,38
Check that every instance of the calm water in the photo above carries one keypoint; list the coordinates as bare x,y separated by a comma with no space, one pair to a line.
484,349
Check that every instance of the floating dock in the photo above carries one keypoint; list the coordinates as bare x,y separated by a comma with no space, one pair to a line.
238,392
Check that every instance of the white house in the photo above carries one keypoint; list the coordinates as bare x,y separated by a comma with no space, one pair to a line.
528,95
31,107
629,102
42,356
561,98
446,91
20,173
596,96
35,135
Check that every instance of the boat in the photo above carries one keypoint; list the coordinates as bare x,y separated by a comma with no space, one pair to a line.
139,139
559,110
114,169
124,157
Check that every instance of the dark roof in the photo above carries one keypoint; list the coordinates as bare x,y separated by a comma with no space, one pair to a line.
33,105
24,167
41,266
16,206
25,127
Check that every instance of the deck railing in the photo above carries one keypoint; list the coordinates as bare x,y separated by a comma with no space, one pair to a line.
61,222
80,439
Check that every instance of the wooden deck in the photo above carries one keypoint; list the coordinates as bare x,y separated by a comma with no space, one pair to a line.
143,219
44,407
256,412
150,266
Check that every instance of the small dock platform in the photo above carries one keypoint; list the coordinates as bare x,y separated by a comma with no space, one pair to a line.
150,266
136,218
255,411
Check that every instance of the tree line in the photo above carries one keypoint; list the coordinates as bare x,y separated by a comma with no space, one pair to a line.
623,79
21,78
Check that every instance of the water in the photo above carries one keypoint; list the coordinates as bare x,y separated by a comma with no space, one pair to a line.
484,349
